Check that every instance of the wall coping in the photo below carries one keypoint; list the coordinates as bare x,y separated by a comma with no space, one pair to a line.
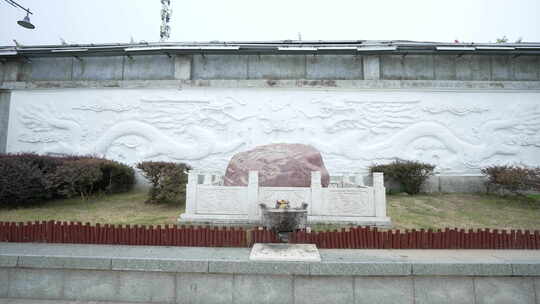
415,85
335,262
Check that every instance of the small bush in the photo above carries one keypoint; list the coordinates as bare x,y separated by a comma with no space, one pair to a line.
86,175
116,178
410,174
168,181
21,182
76,177
513,179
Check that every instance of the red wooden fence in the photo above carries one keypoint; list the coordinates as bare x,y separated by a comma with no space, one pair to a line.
78,233
356,237
262,235
365,237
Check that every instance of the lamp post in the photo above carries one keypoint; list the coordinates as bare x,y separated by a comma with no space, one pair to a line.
26,20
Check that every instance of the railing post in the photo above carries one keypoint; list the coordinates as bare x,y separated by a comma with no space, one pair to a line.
253,197
316,204
379,194
359,179
191,192
207,179
347,179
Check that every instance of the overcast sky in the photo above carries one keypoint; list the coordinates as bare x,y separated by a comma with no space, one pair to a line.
109,21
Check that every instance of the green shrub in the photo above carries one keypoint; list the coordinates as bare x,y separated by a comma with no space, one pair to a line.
87,175
21,183
76,177
116,178
45,164
28,178
167,181
409,174
514,179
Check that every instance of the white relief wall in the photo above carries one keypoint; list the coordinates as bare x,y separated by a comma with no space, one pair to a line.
459,131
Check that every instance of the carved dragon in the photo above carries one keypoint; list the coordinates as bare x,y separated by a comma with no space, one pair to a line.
40,120
352,143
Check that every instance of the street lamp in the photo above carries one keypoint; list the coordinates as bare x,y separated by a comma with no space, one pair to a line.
26,20
26,23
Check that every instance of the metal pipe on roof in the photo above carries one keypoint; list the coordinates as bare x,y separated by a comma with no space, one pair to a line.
494,48
8,53
297,49
455,48
377,49
69,50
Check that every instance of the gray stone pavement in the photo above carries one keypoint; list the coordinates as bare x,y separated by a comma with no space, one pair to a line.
121,251
34,301
242,254
337,262
199,275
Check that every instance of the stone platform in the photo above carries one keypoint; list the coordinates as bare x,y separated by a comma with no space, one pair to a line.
227,275
285,253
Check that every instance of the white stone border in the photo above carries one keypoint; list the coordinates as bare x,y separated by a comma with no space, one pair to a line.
359,205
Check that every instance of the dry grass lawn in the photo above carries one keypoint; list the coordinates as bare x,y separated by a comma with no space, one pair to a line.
462,210
125,208
421,211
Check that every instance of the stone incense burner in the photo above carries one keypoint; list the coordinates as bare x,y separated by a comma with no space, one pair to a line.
283,219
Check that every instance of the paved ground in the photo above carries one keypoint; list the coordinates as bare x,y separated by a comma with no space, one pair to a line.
510,274
28,301
242,254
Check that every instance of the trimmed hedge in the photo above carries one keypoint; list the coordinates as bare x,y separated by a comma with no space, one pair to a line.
167,181
30,178
409,174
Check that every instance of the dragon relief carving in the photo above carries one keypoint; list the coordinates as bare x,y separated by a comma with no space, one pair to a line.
526,128
55,132
471,155
347,131
114,107
63,135
455,110
375,117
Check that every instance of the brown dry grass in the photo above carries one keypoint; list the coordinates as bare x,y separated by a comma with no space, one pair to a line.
463,211
125,208
420,211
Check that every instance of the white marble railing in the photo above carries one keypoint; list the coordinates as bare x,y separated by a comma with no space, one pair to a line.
346,200
345,180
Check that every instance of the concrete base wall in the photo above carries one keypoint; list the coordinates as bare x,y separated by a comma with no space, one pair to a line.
147,274
153,287
449,184
442,184
455,184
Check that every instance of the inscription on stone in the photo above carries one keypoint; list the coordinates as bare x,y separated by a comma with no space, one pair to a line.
350,202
